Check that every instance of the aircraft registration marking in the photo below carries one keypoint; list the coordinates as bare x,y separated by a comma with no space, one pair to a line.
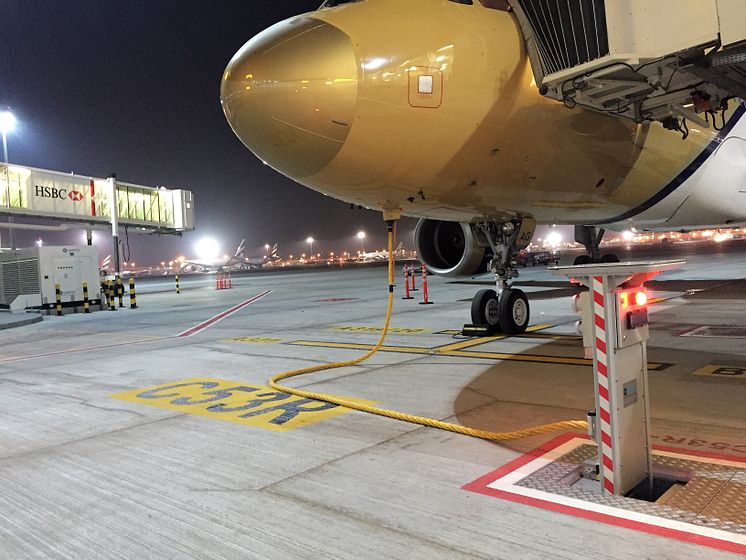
256,339
249,404
722,371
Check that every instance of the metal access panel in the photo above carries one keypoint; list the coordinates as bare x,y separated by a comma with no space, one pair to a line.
68,266
18,276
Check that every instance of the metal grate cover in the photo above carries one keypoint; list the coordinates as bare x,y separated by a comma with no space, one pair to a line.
18,277
715,497
568,32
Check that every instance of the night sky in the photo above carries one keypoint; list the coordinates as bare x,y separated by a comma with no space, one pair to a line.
132,87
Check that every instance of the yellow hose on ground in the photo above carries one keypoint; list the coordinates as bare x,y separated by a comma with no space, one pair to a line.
422,420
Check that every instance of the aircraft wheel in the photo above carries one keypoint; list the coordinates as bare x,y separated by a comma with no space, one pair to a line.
514,311
582,259
485,309
609,258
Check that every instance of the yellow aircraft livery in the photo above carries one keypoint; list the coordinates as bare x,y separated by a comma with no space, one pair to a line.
429,108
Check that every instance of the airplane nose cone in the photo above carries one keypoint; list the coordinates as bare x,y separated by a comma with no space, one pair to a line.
290,94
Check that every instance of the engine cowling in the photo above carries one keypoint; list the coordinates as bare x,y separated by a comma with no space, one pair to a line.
450,248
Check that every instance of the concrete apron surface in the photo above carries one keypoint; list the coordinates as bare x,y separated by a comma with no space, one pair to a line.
251,474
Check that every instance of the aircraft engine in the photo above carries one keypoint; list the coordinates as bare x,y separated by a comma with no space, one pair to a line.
450,248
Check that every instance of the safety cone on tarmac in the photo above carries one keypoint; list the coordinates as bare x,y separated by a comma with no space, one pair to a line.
425,298
406,282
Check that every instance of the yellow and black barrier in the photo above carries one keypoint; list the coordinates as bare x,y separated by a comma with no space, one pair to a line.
86,301
120,291
58,299
133,295
110,295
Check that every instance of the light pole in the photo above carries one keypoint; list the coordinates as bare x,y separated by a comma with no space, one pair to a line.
310,242
8,124
266,249
361,236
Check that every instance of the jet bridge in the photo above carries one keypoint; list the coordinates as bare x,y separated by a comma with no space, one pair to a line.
662,60
66,197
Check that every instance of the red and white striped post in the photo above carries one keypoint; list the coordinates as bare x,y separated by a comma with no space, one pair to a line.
217,281
602,365
425,295
407,272
616,327
412,287
230,281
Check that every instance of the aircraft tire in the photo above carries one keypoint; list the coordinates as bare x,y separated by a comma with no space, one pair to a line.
485,309
582,259
514,311
609,258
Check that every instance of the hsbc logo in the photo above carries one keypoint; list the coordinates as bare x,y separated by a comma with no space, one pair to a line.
53,192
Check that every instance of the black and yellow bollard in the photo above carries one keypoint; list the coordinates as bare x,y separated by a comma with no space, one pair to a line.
178,288
86,301
58,299
133,300
120,291
110,291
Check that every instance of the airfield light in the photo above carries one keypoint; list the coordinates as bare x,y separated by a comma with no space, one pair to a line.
554,239
7,122
361,237
39,242
628,235
207,249
266,246
310,241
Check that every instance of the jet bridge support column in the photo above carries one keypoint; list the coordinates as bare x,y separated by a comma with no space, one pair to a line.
115,223
619,331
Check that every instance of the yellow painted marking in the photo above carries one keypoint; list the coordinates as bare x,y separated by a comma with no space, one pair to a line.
242,403
256,339
355,346
392,330
722,371
446,351
485,339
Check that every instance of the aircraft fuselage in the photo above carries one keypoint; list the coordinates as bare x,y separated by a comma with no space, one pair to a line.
428,107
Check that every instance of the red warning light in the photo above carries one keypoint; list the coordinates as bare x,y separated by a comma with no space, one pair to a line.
641,298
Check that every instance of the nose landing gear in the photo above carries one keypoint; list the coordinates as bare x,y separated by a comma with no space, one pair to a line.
504,309
590,237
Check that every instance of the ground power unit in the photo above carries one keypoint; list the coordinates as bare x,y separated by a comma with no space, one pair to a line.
30,277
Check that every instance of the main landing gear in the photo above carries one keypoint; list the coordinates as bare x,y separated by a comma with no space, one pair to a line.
504,309
590,237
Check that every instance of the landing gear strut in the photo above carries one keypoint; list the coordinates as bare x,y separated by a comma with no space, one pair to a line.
590,237
504,309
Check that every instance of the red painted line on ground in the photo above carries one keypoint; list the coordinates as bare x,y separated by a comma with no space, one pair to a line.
220,316
481,486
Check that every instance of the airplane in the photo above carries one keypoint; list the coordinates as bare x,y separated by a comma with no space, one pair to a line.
237,261
376,256
440,118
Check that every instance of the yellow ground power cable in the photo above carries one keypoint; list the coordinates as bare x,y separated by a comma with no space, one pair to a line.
422,420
